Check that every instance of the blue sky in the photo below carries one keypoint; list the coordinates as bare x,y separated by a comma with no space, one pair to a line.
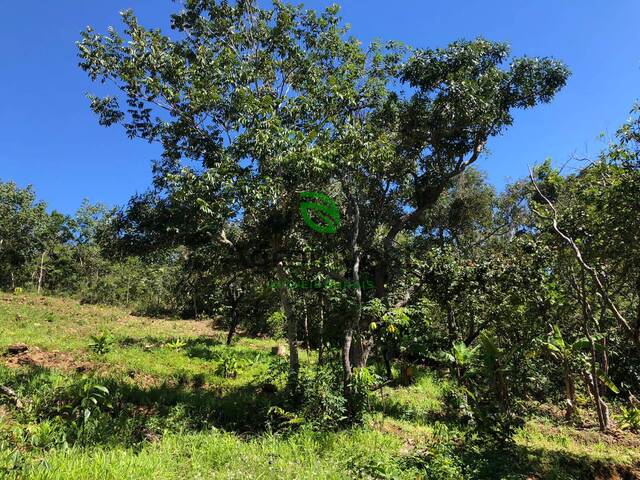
50,139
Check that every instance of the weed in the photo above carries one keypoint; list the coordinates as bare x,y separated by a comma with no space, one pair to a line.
228,365
176,345
629,419
102,343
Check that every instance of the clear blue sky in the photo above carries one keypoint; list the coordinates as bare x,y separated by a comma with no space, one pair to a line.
49,138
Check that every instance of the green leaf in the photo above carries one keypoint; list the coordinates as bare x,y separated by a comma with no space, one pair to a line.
607,381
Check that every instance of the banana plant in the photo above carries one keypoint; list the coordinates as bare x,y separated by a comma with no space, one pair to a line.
461,356
574,362
495,360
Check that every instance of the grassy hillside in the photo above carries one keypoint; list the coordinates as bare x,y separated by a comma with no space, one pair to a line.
103,394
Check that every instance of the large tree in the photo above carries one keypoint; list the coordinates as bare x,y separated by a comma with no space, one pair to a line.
411,148
253,106
22,219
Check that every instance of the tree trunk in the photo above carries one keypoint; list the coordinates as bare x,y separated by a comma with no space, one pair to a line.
353,321
570,392
233,326
452,327
387,355
306,326
361,348
602,410
235,319
321,332
292,331
41,275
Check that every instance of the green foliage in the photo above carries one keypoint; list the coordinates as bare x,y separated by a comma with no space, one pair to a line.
228,364
276,324
23,223
92,398
461,357
629,419
439,462
361,383
176,345
11,461
48,434
252,106
410,435
323,404
102,343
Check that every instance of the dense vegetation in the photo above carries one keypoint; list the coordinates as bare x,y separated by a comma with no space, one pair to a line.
172,400
441,331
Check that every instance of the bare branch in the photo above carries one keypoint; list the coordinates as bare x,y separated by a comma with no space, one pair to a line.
593,272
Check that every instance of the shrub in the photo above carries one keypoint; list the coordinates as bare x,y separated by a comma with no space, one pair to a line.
437,463
102,343
228,365
629,419
275,324
323,404
362,381
176,345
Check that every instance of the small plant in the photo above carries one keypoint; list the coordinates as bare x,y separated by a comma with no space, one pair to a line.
11,460
47,434
102,343
18,291
96,397
362,382
323,404
437,462
86,399
275,324
280,419
177,345
460,356
228,365
629,419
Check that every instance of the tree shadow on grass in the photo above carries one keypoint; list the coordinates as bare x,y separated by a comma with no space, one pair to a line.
485,461
158,342
202,347
481,458
426,413
131,414
242,409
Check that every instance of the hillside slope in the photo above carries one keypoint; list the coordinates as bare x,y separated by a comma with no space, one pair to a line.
93,392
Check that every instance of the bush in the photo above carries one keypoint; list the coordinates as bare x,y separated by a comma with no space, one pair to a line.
323,404
362,381
629,419
102,343
276,324
437,463
228,364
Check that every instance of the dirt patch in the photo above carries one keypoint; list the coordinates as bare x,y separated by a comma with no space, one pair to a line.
55,359
17,348
143,380
616,472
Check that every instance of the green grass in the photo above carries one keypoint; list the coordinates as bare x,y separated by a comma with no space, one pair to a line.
171,414
224,455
